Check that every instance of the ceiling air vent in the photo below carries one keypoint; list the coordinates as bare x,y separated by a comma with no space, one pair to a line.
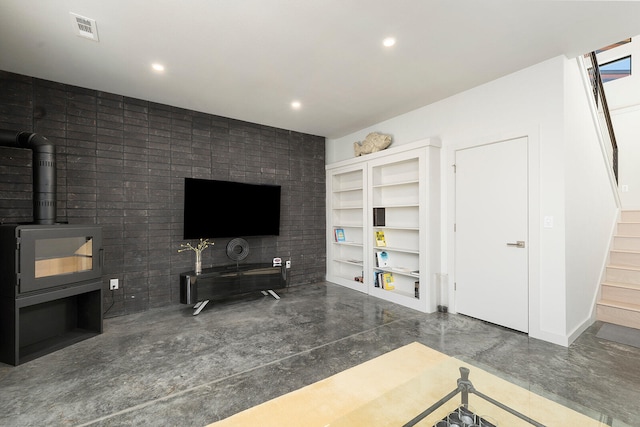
84,27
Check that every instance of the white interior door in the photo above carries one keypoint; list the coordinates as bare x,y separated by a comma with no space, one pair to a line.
491,219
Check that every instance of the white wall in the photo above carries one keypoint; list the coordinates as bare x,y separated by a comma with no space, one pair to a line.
626,125
527,103
591,203
623,97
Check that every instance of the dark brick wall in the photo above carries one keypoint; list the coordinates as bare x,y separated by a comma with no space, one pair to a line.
122,163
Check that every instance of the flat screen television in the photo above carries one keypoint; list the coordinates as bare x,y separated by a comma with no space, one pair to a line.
230,209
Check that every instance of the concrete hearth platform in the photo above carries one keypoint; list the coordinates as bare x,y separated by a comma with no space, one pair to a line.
167,366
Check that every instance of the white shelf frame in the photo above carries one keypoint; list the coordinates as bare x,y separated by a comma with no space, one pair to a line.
425,155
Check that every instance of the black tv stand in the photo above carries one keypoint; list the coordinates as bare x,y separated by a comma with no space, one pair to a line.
225,281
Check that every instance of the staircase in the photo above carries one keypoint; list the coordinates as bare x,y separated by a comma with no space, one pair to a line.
620,292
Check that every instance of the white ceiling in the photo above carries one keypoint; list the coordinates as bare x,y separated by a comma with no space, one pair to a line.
248,59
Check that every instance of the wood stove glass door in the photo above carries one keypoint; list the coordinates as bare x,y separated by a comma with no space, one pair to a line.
63,255
58,256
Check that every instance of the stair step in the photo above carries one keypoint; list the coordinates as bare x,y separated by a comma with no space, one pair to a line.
626,258
619,313
630,216
629,228
623,274
621,292
626,243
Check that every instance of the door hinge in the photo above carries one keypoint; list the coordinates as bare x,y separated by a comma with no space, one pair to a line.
454,168
454,228
455,286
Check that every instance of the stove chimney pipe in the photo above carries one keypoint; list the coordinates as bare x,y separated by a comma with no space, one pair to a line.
44,171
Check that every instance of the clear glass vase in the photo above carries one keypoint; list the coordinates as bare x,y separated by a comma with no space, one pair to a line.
198,262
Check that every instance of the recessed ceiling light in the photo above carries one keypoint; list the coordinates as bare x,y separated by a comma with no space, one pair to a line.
296,105
389,41
157,67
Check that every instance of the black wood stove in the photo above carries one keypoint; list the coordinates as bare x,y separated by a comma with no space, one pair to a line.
50,273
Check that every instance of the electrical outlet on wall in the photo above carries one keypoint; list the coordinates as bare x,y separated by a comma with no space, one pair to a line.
113,284
287,264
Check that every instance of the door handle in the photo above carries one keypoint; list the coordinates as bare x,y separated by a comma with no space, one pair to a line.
518,244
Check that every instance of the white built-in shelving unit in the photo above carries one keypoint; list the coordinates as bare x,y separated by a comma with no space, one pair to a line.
403,182
346,212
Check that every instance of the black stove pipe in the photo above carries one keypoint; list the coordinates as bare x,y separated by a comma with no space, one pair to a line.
44,171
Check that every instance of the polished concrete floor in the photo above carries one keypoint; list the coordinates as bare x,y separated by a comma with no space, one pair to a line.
167,367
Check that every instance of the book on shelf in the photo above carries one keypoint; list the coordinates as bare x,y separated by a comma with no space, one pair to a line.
340,237
384,280
387,280
378,217
382,259
380,240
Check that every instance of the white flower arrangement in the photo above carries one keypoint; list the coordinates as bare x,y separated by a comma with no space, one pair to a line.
202,245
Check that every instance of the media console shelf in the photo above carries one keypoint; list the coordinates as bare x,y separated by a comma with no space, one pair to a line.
225,281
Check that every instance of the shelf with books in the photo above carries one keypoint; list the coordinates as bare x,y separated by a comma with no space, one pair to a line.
382,259
399,199
397,239
402,259
403,289
390,285
339,234
398,250
346,265
399,187
402,263
347,255
347,235
407,216
346,220
400,270
384,280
